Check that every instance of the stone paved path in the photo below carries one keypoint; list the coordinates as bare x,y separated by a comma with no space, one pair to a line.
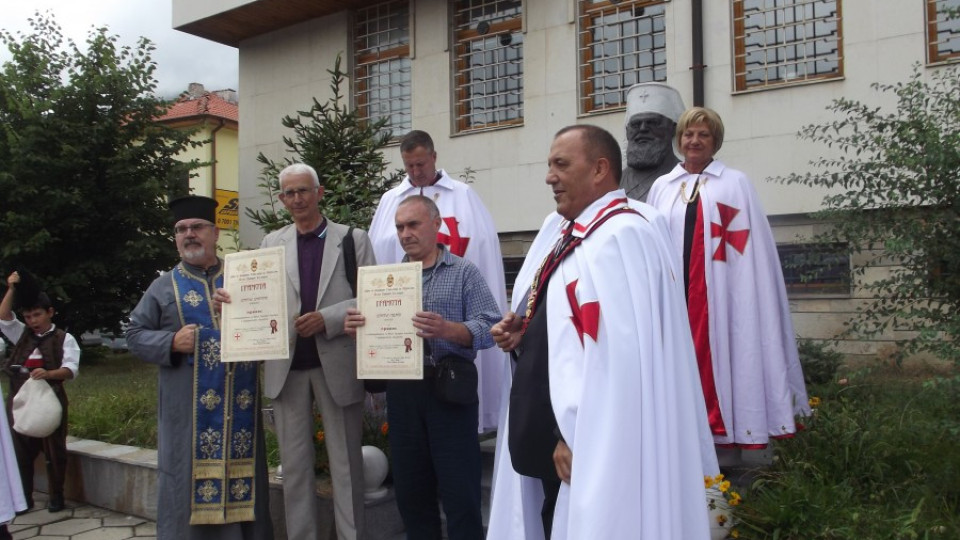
79,522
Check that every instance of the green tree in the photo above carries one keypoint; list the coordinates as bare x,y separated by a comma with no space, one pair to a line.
894,195
344,148
85,171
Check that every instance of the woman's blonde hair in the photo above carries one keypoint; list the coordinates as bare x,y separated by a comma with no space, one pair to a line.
701,115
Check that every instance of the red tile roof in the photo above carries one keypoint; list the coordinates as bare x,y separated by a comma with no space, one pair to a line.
206,104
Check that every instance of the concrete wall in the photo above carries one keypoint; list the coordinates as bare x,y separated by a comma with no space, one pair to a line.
282,71
124,479
881,42
823,315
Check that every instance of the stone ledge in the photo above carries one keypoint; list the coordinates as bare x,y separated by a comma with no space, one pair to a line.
117,477
124,479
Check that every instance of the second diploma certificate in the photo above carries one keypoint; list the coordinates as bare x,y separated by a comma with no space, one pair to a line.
388,296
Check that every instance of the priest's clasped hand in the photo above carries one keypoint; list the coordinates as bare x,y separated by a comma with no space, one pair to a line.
185,339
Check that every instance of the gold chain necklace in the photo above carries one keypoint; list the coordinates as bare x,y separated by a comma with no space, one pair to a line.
535,286
701,180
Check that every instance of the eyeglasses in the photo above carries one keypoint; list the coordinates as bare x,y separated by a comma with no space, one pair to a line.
292,193
194,228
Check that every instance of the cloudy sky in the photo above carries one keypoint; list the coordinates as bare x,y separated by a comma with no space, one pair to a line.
181,58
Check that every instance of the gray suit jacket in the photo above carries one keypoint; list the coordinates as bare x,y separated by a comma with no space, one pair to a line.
338,355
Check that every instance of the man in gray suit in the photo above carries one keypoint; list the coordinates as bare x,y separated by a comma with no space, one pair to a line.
322,370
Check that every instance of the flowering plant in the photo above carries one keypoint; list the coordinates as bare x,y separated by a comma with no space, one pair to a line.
375,431
321,463
720,505
375,427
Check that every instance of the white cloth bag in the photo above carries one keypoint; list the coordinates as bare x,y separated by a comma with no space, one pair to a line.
36,409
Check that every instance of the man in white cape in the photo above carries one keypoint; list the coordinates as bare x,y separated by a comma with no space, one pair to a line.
633,444
467,230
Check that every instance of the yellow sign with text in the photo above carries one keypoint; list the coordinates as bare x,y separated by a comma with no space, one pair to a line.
228,210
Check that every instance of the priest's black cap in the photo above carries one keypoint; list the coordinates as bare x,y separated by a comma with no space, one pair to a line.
194,207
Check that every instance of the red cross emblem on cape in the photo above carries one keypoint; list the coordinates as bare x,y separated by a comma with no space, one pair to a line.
586,316
736,239
456,243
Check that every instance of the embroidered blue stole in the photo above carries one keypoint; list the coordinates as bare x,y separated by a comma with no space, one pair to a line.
225,413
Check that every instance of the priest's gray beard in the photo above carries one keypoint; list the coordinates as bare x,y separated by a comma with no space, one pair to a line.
649,155
194,256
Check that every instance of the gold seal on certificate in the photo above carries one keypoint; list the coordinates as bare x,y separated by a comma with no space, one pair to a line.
254,323
388,296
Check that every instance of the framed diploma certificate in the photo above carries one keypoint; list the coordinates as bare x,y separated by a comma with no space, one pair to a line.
389,296
254,323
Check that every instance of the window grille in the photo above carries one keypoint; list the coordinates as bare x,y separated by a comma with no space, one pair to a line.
511,268
943,30
488,63
620,44
786,41
382,73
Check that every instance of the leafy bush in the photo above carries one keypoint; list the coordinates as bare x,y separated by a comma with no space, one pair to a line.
892,184
877,461
79,137
819,363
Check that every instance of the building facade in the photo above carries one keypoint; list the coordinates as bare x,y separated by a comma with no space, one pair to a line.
214,119
492,80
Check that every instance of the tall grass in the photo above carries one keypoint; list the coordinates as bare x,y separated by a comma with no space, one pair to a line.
880,459
114,399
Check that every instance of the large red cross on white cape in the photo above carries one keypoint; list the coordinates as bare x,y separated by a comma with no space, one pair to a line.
586,316
736,239
456,243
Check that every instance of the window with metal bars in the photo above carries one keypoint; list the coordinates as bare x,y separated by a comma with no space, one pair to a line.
511,267
382,58
621,43
780,42
815,268
487,64
943,30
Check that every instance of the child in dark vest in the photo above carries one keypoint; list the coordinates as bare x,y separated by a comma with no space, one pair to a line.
41,351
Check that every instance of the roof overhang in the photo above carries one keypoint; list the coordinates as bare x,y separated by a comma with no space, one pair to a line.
263,16
199,121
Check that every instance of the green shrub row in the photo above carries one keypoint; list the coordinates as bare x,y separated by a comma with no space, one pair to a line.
879,459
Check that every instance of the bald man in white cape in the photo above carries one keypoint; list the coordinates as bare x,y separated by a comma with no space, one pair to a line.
468,231
623,387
